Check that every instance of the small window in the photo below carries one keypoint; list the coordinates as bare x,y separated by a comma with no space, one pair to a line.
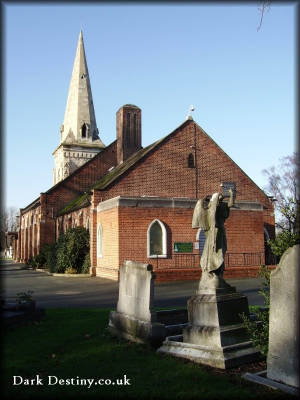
99,241
157,240
191,161
83,131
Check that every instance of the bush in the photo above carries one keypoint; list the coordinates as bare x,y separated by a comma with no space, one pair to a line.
72,248
69,253
61,255
258,329
70,270
30,261
86,265
40,260
283,241
50,255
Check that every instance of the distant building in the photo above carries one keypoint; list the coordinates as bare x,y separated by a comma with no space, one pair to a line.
137,203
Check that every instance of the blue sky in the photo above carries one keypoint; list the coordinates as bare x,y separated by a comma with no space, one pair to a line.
161,57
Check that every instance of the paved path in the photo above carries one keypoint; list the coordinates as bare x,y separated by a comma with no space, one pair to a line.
52,291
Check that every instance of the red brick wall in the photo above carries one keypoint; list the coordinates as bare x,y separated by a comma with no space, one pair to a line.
84,177
165,172
64,192
244,234
108,264
245,231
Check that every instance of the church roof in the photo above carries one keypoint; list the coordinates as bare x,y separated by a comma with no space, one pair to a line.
115,173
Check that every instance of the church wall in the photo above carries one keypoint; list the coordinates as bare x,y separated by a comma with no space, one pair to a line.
165,171
28,237
84,177
128,226
60,195
108,260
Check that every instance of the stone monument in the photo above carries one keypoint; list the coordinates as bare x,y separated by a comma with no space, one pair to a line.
283,355
215,334
135,318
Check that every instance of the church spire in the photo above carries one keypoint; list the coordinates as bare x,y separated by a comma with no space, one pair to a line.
79,140
79,122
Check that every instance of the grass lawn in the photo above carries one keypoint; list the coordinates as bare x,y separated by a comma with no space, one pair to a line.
74,343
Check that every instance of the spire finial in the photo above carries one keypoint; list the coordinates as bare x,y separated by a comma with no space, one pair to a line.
189,115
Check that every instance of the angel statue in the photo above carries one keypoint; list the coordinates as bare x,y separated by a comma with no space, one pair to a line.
210,214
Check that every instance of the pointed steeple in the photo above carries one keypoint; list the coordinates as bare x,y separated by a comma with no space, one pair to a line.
79,122
79,140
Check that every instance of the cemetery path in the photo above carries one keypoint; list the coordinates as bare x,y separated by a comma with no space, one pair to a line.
89,292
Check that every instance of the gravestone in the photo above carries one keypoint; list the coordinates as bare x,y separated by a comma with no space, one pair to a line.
283,355
135,318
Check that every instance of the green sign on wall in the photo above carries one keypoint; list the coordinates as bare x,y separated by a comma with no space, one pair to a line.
183,247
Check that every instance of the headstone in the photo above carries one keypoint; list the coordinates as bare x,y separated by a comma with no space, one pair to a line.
136,290
283,355
135,318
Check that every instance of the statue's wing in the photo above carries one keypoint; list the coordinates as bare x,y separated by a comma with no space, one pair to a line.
200,217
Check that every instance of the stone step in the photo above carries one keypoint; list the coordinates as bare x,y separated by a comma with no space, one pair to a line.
175,329
174,338
238,346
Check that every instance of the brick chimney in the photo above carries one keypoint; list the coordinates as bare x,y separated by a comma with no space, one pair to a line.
128,131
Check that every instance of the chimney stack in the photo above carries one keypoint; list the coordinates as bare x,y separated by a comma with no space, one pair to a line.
128,131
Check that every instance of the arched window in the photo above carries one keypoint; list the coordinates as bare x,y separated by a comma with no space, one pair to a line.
191,161
99,240
157,240
83,131
201,240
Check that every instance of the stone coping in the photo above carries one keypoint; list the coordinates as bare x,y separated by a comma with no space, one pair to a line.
172,202
64,275
261,379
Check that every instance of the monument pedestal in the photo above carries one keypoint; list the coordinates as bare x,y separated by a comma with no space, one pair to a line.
215,335
136,330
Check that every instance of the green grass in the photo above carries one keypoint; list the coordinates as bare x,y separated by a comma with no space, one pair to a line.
59,346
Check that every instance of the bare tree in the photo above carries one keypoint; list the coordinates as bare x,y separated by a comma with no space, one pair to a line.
283,185
9,221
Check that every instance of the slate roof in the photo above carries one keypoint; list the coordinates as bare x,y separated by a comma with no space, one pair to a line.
110,177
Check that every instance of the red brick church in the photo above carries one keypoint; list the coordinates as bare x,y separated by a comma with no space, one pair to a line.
137,203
